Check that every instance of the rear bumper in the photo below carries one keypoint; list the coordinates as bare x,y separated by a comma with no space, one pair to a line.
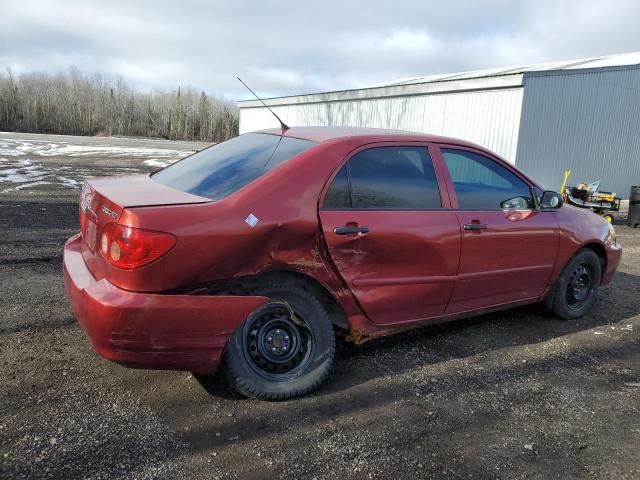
177,332
614,255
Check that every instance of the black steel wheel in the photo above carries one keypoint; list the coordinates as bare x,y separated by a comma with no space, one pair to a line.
277,342
284,349
576,289
579,285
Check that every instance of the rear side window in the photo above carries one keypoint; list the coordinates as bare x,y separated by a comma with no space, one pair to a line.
222,169
386,178
483,184
338,195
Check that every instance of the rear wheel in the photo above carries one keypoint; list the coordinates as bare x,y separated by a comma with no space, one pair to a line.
576,288
284,349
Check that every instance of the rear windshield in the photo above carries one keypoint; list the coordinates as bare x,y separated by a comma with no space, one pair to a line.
222,169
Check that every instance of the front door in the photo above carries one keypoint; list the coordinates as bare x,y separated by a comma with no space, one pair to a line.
389,234
509,247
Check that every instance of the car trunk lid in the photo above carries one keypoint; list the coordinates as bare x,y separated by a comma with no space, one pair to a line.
103,200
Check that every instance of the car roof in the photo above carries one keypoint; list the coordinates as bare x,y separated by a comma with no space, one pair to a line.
324,134
371,135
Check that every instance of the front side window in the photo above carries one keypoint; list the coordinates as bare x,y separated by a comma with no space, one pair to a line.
386,178
483,184
222,169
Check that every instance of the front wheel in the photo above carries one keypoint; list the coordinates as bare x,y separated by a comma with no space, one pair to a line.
576,288
284,349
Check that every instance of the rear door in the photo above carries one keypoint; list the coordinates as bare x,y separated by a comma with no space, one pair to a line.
390,232
509,246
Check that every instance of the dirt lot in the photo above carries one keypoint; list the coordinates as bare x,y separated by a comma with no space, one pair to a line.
510,395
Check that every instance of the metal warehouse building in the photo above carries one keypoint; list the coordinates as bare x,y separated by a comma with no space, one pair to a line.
580,114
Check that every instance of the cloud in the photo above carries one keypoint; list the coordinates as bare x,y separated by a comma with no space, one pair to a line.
414,41
292,47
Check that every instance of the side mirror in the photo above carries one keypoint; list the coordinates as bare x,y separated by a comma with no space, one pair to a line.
551,200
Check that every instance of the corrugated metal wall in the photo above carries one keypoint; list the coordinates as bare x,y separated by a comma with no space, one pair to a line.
490,118
588,122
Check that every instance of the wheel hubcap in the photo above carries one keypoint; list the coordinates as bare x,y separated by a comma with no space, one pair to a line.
579,286
275,346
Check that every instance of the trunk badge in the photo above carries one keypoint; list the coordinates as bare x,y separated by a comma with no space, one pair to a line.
109,212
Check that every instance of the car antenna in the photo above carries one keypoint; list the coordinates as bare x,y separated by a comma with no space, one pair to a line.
283,125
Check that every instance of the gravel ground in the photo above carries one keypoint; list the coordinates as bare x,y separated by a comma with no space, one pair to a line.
515,394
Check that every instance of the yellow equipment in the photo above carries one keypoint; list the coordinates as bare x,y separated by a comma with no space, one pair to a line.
601,203
567,174
605,197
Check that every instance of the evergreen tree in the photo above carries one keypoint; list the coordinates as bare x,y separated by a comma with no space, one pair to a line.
177,118
204,118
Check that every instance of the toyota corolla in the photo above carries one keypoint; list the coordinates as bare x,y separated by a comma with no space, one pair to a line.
251,255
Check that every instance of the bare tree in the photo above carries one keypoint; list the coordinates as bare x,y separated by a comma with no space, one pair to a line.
77,104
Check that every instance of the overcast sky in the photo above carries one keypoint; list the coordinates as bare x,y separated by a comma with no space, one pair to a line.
296,47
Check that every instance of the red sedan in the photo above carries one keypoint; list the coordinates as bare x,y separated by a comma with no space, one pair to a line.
252,253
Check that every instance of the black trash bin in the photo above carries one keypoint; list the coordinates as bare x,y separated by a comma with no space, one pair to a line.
634,207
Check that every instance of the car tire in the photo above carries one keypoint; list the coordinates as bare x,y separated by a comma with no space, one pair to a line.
576,288
274,355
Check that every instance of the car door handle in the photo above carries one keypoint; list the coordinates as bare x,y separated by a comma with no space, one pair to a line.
350,230
475,226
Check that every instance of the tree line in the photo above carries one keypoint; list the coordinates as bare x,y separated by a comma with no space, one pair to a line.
73,103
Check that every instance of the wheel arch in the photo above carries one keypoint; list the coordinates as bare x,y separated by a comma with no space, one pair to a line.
596,247
600,251
315,287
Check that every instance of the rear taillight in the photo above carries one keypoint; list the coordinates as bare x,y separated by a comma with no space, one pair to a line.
129,247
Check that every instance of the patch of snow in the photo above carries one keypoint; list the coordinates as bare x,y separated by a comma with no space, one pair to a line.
20,175
69,182
16,148
27,174
25,185
22,162
154,162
